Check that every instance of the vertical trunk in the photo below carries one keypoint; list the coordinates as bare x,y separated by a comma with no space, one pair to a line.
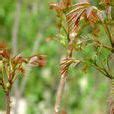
7,103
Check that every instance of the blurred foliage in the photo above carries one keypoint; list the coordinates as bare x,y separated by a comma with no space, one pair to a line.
86,91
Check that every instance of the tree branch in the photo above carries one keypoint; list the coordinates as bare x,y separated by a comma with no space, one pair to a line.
8,103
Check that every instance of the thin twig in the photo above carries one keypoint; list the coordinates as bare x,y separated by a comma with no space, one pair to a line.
105,46
103,71
60,93
61,86
108,33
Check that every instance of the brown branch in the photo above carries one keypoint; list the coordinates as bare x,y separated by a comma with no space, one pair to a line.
8,103
63,78
60,93
64,71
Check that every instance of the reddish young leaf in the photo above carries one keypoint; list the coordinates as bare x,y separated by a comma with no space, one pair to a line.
19,59
74,14
37,60
92,18
63,112
60,6
89,11
10,76
100,16
107,1
5,53
21,69
3,45
67,3
108,12
42,61
56,6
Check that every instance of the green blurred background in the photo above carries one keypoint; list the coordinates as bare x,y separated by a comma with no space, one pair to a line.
85,92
